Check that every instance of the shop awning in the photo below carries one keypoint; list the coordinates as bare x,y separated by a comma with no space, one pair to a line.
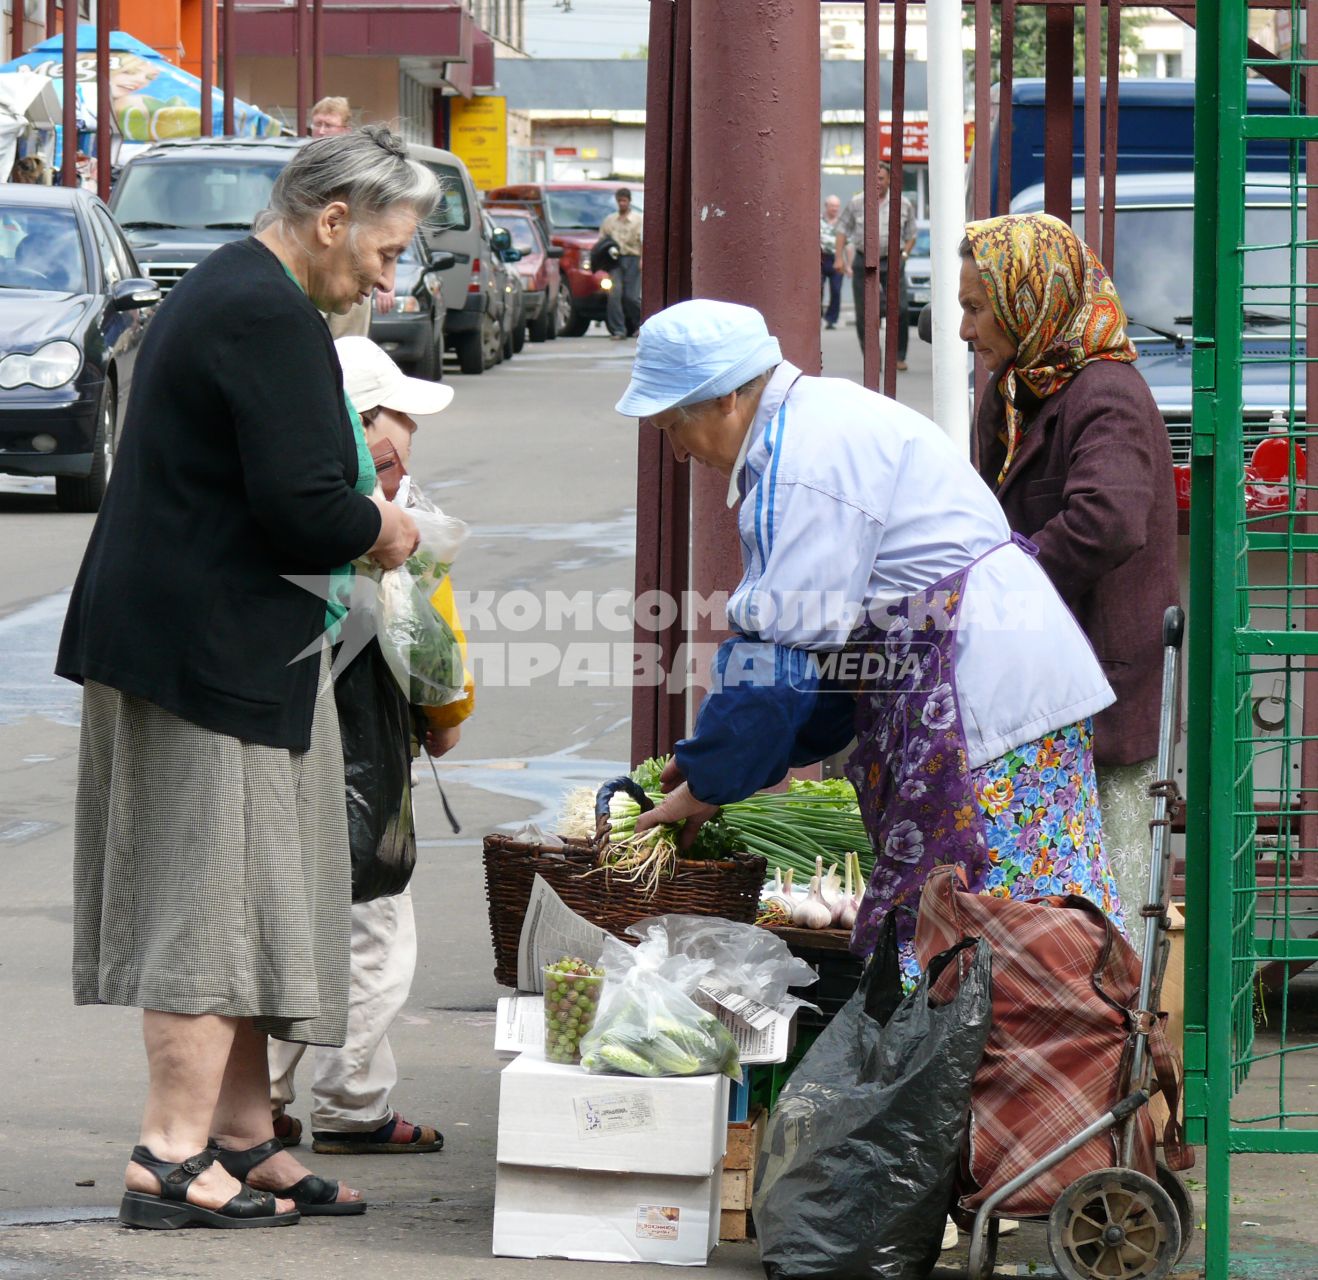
436,35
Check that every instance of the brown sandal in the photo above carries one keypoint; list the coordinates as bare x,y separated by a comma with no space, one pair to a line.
396,1136
288,1129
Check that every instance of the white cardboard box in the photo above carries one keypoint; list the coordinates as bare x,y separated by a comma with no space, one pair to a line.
561,1117
605,1217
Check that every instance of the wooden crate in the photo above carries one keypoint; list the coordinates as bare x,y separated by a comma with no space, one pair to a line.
744,1138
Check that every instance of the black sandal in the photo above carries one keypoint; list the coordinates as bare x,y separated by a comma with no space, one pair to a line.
313,1196
171,1209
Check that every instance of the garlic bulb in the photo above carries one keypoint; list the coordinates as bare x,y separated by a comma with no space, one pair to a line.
852,894
814,912
831,891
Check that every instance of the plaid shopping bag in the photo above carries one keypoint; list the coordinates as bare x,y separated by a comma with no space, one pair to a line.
1065,989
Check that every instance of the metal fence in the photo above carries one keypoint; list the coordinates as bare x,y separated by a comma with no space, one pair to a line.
1252,860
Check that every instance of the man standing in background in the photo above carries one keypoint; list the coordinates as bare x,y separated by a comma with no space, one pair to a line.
330,116
624,307
830,273
851,239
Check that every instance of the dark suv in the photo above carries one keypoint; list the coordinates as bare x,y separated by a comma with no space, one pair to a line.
179,200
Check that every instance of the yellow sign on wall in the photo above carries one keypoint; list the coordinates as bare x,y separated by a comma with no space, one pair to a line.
478,132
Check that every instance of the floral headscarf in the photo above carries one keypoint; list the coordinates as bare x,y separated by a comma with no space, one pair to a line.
1049,292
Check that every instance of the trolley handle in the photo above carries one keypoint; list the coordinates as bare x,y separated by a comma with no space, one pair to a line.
1173,627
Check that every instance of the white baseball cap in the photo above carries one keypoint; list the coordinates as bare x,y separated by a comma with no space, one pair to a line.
372,381
696,350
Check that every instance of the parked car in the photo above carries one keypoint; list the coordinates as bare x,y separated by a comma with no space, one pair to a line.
918,272
181,199
178,200
1154,274
573,212
538,267
504,257
473,326
413,331
75,307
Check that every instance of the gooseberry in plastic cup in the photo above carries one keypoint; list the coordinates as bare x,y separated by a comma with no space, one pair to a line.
572,991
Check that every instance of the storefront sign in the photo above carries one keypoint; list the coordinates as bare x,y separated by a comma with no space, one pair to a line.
478,132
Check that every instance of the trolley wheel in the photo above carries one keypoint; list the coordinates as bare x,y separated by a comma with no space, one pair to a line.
1171,1183
988,1255
1114,1224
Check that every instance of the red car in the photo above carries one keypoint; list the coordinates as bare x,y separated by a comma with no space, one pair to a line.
573,212
539,268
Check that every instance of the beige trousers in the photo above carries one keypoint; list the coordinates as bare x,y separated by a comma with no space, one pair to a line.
350,1087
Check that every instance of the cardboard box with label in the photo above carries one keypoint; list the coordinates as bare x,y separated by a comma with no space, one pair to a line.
595,1216
608,1168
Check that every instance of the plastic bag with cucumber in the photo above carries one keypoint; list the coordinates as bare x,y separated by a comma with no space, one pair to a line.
648,1025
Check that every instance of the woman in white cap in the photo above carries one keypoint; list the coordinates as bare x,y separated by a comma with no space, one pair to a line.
351,1112
884,598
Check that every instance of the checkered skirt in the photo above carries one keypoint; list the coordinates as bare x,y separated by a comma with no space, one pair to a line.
211,875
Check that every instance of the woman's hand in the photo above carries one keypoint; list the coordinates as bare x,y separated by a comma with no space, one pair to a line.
672,777
439,742
398,536
679,806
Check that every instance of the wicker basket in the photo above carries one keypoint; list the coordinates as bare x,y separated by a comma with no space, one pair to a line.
728,887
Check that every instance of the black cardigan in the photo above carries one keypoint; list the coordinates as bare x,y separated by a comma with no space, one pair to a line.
235,467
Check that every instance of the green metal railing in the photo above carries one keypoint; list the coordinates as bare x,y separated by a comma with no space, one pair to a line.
1252,823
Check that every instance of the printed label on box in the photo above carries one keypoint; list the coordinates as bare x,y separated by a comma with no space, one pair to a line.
657,1221
614,1113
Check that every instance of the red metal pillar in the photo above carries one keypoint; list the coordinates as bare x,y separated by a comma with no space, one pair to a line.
1093,122
663,493
69,87
893,231
1005,77
103,17
52,17
207,68
229,64
317,49
1059,110
301,45
1111,113
754,209
16,32
871,355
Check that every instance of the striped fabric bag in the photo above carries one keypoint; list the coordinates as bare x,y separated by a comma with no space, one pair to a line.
1065,989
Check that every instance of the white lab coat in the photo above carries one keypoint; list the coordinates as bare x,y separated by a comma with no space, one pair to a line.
849,497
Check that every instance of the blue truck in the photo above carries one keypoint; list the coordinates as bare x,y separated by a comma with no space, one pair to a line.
1155,129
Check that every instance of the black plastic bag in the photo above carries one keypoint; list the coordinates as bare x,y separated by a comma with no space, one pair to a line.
604,254
376,726
855,1177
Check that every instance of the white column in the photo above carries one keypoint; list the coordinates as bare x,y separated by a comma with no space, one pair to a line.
947,196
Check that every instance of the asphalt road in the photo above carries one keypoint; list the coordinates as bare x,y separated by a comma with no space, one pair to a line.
533,456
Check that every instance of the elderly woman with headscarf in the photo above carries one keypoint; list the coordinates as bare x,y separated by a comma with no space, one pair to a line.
211,873
883,596
1073,445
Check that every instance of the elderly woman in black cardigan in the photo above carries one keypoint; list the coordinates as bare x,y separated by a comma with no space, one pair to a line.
212,872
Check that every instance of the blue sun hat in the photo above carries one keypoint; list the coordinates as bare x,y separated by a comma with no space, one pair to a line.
695,351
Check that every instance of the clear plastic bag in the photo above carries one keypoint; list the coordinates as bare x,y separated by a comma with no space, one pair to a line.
747,960
647,1023
417,643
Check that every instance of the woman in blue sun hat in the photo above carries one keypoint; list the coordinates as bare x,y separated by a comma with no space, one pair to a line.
883,598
